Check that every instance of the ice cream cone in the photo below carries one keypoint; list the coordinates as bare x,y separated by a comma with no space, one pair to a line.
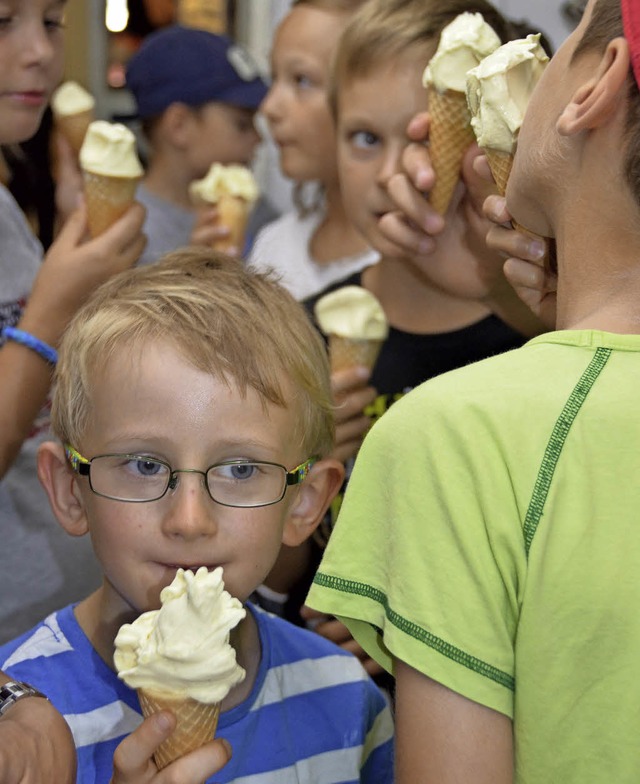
196,724
107,199
450,135
233,213
500,164
74,127
348,352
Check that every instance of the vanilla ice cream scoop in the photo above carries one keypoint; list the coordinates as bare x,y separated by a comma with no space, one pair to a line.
499,88
183,649
233,180
73,109
352,312
463,44
109,149
71,98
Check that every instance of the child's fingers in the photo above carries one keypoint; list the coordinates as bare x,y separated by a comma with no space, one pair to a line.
343,381
482,168
514,244
132,759
198,765
352,404
412,202
525,274
418,128
409,239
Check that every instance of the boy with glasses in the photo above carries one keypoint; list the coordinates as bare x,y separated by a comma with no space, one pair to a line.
194,412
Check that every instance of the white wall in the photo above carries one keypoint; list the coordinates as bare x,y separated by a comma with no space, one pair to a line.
543,13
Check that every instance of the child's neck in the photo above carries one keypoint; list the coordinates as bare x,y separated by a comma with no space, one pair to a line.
335,238
168,179
101,624
413,304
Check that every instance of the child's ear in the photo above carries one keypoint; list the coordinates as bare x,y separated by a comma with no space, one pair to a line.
61,485
596,101
176,122
313,499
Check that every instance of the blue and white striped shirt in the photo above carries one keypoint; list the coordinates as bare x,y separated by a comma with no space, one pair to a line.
313,716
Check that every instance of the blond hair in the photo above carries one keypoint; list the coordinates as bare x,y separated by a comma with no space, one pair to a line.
383,30
234,323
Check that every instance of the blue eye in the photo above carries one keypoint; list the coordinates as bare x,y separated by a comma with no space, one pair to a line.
363,140
243,470
148,467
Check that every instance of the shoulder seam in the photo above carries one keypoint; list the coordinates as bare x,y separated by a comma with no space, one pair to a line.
556,443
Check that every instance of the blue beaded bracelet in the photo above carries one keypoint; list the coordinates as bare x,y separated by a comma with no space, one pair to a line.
39,346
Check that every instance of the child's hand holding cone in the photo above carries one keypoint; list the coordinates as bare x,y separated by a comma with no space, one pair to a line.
233,191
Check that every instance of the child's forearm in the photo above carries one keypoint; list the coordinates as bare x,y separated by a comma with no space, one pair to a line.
26,378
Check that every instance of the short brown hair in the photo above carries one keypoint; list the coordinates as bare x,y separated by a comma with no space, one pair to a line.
227,320
605,25
383,30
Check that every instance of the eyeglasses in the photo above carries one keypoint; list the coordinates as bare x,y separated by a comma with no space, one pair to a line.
139,478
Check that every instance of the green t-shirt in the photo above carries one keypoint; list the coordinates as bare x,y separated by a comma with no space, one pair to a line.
490,538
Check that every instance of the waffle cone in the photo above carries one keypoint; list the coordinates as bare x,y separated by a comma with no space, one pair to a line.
74,127
233,213
196,724
500,164
450,134
348,352
107,198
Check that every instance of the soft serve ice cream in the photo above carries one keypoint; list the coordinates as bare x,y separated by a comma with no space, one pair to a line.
179,657
73,108
356,325
234,190
463,44
111,170
498,91
109,149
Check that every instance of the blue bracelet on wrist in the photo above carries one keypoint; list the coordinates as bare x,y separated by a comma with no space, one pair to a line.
30,341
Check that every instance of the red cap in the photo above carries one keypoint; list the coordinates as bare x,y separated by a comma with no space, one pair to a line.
631,25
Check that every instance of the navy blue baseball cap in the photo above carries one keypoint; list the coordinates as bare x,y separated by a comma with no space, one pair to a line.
183,65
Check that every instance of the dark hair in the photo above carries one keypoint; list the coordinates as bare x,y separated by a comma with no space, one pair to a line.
605,25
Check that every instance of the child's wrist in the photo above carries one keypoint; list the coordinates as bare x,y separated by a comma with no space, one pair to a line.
30,341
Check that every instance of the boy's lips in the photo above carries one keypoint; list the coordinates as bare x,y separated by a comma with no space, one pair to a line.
193,566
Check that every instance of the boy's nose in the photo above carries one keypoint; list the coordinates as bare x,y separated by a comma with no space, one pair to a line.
191,513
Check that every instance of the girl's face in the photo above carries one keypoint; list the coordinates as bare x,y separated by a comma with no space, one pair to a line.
296,106
31,63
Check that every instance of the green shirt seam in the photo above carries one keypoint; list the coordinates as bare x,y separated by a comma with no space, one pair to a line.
556,443
413,630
